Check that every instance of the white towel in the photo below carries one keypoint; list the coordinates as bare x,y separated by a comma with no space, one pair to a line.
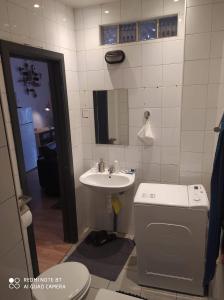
145,134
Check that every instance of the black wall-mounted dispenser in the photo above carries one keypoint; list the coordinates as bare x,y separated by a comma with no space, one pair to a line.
115,57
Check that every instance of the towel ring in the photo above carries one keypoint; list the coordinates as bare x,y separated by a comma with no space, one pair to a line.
146,114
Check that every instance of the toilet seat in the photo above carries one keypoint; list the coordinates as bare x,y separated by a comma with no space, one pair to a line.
75,277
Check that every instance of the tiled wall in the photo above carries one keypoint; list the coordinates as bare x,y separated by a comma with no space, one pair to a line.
203,88
152,73
182,121
12,254
50,27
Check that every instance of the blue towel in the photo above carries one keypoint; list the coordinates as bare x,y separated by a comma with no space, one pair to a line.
216,209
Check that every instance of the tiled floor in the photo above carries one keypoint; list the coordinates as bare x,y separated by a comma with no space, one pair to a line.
127,281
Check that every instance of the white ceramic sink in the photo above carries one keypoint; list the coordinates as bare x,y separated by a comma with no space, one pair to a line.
114,183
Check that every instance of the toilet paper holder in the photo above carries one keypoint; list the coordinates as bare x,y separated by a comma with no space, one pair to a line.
147,114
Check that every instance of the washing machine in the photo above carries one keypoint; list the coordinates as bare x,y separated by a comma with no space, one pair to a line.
171,224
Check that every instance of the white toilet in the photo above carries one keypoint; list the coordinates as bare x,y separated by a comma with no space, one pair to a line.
73,277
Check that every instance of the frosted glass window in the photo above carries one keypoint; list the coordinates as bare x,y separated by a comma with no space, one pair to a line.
168,27
147,30
127,33
109,34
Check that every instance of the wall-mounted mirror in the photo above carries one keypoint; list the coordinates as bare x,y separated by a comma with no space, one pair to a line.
111,116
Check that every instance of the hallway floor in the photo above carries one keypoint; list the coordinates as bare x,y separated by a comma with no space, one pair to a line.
48,227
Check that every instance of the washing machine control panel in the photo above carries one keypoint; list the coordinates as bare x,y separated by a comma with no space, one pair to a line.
197,196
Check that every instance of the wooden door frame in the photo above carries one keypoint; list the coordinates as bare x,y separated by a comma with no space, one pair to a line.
61,119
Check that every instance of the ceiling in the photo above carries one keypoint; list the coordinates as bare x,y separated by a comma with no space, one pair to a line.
83,3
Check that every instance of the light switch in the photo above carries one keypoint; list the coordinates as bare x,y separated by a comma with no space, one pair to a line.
85,113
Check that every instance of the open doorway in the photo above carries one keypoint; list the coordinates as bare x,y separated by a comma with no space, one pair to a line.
37,130
36,92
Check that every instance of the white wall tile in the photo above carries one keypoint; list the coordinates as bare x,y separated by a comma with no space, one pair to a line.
151,154
209,142
197,46
171,117
192,141
70,59
132,77
214,91
171,137
152,97
152,76
100,151
36,27
173,51
151,172
207,162
92,38
193,119
191,162
172,7
170,155
187,177
94,59
172,74
114,14
51,31
80,40
133,154
64,15
81,61
194,96
217,44
198,2
135,98
155,117
211,115
132,56
170,173
152,8
172,96
92,16
79,18
82,81
199,19
157,133
95,80
18,19
196,72
130,10
4,18
217,17
152,53
114,79
216,71
116,153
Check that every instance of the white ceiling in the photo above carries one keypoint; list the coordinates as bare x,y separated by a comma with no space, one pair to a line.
82,3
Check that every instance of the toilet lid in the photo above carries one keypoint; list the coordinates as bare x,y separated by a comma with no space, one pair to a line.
64,281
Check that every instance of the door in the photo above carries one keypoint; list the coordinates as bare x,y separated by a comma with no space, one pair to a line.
55,63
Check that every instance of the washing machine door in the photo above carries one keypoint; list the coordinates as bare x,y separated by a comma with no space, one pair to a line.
170,245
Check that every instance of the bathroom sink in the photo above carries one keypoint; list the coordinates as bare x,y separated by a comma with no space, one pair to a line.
114,183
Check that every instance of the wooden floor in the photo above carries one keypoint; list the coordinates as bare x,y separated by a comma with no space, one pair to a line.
48,228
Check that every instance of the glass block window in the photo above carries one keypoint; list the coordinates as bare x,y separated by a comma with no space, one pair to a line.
127,33
109,34
147,30
168,26
139,31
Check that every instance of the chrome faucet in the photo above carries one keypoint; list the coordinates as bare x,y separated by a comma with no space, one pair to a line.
111,169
